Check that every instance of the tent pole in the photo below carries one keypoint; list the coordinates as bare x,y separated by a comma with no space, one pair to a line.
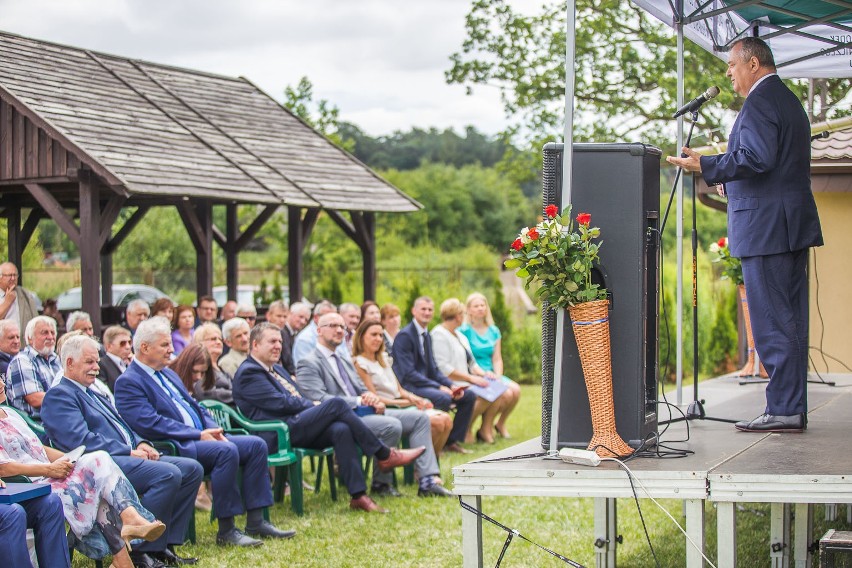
679,224
567,169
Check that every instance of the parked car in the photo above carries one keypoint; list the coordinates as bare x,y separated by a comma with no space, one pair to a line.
122,294
245,294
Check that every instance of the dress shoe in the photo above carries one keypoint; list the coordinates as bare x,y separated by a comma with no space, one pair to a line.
142,560
268,530
235,537
170,558
364,503
772,423
435,490
385,490
456,448
149,531
399,458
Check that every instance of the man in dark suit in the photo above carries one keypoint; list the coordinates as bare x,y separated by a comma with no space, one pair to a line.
299,316
415,367
154,402
76,415
264,391
117,351
45,516
772,222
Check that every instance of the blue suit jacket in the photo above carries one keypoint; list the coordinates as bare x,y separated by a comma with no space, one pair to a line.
153,414
766,172
261,397
410,364
71,418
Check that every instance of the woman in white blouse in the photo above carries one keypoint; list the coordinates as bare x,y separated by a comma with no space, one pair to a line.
454,359
373,366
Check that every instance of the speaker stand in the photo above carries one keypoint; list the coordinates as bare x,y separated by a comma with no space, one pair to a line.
695,410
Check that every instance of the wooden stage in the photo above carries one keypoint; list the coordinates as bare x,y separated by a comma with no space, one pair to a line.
728,467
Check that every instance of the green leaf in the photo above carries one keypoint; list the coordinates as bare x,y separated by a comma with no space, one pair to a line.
522,273
513,263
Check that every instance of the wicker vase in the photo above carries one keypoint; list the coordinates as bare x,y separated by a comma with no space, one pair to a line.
748,369
590,322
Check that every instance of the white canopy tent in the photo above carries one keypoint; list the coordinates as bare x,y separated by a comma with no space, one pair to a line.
809,39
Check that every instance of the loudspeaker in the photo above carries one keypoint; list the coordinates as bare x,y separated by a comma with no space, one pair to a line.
619,185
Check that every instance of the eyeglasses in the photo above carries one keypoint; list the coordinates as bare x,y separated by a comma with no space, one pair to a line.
248,317
334,325
124,342
12,275
214,338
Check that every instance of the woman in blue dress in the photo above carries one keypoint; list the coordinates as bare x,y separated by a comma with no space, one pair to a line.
485,343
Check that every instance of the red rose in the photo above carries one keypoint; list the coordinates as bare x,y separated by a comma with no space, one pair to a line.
533,234
723,242
517,245
584,218
551,211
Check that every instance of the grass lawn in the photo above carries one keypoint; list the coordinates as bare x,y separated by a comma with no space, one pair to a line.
427,532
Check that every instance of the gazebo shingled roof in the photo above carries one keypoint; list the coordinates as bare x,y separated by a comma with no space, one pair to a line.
94,132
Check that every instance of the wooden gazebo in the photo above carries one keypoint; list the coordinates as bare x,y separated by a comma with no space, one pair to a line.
85,134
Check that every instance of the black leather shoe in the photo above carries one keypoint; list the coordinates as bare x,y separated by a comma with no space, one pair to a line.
772,423
385,490
142,560
436,490
268,530
170,558
235,537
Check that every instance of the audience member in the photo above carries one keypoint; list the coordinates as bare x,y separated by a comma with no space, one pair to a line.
80,321
50,309
16,303
152,400
325,374
485,344
163,307
10,345
373,368
182,324
452,354
119,353
235,331
31,371
391,321
220,387
207,310
414,365
263,391
300,313
277,313
351,314
248,312
44,516
98,385
76,415
229,310
99,503
136,312
370,311
306,341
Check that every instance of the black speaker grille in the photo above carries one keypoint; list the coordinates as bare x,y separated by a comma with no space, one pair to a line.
551,168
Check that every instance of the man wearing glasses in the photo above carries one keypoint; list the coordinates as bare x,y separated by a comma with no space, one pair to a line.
119,354
16,303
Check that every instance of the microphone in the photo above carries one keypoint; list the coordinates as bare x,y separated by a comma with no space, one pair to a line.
696,103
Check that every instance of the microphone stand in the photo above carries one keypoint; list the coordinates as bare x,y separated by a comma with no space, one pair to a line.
695,410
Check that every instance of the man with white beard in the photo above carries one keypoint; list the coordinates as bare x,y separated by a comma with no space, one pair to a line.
32,370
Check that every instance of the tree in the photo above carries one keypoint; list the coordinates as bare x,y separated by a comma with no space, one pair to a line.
320,115
625,78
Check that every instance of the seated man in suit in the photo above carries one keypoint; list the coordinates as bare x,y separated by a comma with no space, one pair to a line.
10,345
118,347
415,367
153,401
45,516
279,315
32,370
235,332
264,391
76,415
324,375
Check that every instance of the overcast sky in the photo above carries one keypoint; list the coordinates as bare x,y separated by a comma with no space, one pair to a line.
381,62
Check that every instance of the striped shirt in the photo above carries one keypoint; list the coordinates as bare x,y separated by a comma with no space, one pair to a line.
30,373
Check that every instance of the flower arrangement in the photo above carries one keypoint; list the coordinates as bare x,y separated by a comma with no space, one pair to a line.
732,267
559,257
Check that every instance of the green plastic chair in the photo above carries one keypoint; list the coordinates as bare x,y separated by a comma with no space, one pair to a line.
287,461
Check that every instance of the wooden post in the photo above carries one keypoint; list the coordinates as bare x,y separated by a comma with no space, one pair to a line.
295,246
90,247
231,258
198,221
15,248
368,252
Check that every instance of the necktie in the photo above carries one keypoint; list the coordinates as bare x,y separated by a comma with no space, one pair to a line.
427,347
344,375
286,384
176,396
117,424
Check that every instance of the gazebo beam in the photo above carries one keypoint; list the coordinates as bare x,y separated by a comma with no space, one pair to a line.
52,207
198,220
14,239
90,247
